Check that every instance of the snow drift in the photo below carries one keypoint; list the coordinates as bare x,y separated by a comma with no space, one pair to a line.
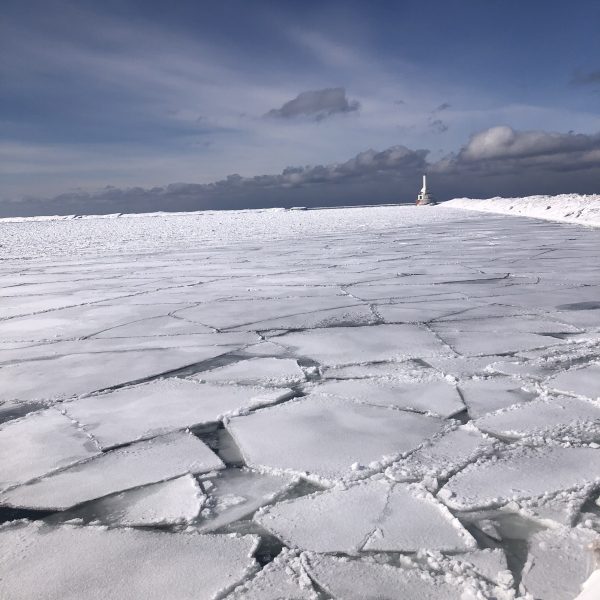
569,208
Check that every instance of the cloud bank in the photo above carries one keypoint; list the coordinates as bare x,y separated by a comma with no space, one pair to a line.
495,161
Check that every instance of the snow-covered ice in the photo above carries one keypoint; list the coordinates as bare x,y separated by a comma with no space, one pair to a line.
581,382
158,459
570,208
559,562
561,418
39,443
161,406
442,456
439,397
486,395
347,345
258,371
284,578
325,437
412,389
171,502
359,579
95,563
521,472
374,516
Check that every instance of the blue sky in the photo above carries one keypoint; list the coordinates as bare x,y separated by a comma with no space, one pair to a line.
142,94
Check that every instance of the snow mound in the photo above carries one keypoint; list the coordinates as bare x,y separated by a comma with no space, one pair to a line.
568,208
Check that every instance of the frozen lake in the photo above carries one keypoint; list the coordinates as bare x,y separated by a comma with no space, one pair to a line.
375,402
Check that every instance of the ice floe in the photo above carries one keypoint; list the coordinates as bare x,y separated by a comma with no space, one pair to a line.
359,579
558,562
562,417
161,406
487,395
438,397
257,371
328,438
119,563
174,502
347,345
40,443
521,472
151,461
375,516
90,372
581,382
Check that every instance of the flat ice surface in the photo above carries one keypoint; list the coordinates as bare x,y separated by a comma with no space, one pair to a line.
483,396
359,579
389,311
347,345
324,437
118,563
45,379
438,397
155,408
521,473
374,516
258,371
559,562
580,382
172,502
561,418
39,443
142,463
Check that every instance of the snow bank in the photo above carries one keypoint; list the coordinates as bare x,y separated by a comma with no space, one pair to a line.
569,208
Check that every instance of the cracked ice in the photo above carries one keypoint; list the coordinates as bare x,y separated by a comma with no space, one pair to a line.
329,404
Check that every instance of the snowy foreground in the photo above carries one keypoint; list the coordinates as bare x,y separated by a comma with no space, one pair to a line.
567,208
390,403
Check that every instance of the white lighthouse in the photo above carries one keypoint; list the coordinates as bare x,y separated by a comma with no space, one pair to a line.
425,197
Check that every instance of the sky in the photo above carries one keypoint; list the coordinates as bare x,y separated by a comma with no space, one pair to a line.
140,105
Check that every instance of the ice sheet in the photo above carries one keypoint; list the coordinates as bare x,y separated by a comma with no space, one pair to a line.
483,396
159,459
521,473
174,502
87,373
325,438
438,397
558,562
581,382
257,371
358,579
374,516
347,345
39,443
144,411
118,563
563,418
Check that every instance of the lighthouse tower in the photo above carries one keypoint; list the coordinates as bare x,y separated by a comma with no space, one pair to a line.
425,197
